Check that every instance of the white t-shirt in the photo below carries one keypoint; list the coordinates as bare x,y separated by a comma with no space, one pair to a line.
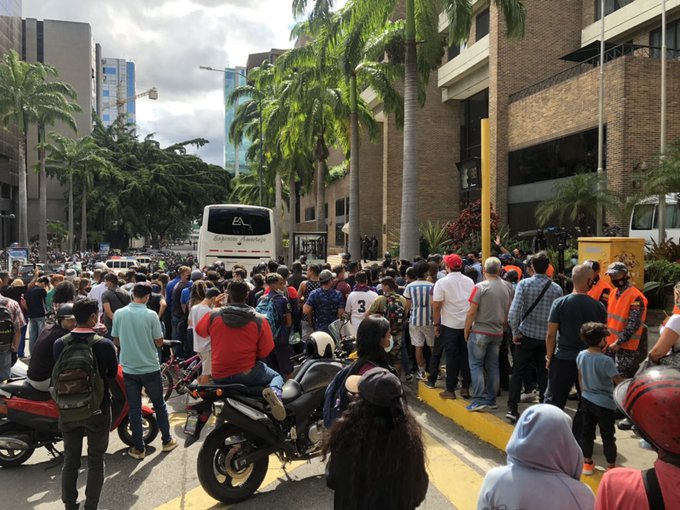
674,324
358,303
454,292
201,343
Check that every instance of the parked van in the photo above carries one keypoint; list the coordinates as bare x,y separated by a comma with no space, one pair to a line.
120,263
644,220
143,260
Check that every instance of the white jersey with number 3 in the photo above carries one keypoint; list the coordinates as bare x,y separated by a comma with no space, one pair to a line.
358,303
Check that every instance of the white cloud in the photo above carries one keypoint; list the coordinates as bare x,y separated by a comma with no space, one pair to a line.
168,40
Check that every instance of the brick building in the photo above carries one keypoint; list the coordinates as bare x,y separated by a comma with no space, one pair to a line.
541,96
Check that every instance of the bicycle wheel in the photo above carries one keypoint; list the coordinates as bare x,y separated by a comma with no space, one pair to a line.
168,382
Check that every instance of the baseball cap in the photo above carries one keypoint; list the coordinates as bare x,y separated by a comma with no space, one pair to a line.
283,271
326,276
453,261
65,311
617,267
196,274
378,386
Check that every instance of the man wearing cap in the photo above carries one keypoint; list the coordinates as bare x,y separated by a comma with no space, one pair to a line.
325,304
601,287
450,307
626,314
179,318
42,359
137,331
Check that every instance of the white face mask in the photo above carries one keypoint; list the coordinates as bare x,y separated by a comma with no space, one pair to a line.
391,346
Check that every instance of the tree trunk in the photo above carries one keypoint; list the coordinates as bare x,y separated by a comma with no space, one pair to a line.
42,228
292,201
278,214
23,193
354,218
320,178
408,240
71,229
83,217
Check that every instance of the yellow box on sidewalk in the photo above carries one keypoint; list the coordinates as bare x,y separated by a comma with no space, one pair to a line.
605,250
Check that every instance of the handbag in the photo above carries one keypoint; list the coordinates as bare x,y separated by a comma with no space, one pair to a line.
671,360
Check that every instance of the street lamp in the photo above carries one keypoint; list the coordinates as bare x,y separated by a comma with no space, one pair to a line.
259,111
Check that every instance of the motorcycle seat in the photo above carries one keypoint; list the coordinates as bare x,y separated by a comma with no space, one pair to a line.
291,391
24,390
242,389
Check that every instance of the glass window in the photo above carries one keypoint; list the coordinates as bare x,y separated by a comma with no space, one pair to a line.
340,207
237,222
609,6
453,51
642,217
482,24
310,214
672,217
672,40
475,108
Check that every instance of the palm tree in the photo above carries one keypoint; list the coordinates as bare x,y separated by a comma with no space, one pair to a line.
76,160
582,194
26,97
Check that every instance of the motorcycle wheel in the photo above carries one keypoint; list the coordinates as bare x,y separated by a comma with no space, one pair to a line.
218,476
168,382
149,430
13,458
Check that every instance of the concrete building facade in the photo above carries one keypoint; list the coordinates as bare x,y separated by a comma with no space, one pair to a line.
540,94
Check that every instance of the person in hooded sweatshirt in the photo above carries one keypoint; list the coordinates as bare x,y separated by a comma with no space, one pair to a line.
544,464
240,339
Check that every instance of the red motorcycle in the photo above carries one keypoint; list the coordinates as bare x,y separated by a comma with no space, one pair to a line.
29,420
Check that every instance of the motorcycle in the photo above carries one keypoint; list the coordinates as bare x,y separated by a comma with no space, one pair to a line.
234,457
29,419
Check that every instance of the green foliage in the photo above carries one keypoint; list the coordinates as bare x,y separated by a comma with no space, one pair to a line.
434,237
465,231
667,250
660,277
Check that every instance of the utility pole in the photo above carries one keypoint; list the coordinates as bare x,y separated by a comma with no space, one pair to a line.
662,135
599,219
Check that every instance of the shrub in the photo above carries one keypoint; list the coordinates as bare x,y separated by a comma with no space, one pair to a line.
660,276
466,229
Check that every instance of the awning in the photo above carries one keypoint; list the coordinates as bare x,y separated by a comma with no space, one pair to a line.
587,52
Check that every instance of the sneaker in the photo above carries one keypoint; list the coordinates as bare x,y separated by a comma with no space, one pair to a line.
588,468
170,445
275,404
449,395
475,407
421,375
492,406
529,398
409,377
136,454
512,416
465,392
429,384
610,467
625,424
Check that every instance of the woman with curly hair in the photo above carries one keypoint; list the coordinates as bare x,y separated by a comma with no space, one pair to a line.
377,457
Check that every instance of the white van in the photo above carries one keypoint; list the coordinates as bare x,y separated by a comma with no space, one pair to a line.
121,263
143,260
644,220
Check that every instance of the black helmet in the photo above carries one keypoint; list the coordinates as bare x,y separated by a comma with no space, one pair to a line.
65,311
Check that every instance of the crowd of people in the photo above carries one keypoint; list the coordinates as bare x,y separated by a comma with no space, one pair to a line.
410,317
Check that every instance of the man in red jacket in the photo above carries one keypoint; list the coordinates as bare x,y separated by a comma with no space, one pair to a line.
240,338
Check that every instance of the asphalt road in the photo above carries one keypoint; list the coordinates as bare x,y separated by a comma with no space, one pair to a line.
456,462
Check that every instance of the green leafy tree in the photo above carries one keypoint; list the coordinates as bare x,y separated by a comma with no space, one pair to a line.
29,97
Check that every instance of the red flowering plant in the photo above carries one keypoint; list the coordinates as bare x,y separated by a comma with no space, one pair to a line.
466,230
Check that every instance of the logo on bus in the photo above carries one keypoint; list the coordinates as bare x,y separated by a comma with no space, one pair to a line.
238,222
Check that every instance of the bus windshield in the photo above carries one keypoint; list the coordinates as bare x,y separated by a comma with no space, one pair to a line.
236,222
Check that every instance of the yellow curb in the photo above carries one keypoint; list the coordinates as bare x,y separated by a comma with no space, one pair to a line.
485,426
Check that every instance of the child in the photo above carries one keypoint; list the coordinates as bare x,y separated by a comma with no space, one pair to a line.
596,371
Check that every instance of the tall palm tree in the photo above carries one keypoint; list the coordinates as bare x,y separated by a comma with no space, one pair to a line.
26,97
75,160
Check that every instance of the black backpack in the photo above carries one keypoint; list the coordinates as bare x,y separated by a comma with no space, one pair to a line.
6,328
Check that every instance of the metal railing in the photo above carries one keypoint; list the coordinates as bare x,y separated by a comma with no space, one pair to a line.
622,50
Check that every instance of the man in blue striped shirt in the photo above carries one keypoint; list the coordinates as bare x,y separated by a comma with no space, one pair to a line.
529,329
421,322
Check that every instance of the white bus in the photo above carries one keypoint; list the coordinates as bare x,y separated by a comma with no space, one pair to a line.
236,234
644,222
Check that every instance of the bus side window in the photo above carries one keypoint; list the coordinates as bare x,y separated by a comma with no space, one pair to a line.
642,217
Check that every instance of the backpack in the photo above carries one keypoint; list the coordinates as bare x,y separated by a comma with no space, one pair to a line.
6,328
77,385
336,398
265,306
395,313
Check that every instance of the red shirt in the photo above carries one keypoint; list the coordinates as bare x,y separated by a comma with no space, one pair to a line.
292,293
235,350
623,488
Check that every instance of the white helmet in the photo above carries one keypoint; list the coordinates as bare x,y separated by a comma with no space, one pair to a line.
320,345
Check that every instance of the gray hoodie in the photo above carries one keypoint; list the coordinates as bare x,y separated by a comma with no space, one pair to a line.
544,464
238,315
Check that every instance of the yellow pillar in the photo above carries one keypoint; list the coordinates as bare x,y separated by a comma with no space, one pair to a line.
486,190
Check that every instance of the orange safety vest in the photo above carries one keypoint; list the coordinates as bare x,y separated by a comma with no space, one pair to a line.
599,288
550,272
676,310
618,312
510,267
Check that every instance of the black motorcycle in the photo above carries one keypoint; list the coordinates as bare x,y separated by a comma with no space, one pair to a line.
234,457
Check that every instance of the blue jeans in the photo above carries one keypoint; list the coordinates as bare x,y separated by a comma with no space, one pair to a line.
35,326
5,365
483,355
260,375
22,341
153,385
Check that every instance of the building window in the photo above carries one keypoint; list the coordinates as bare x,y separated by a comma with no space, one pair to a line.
672,40
310,214
482,24
555,159
453,52
107,117
609,6
110,70
475,108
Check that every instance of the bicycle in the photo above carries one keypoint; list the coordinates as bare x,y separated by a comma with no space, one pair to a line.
183,371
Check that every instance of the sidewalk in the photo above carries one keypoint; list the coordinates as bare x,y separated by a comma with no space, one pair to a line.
491,427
